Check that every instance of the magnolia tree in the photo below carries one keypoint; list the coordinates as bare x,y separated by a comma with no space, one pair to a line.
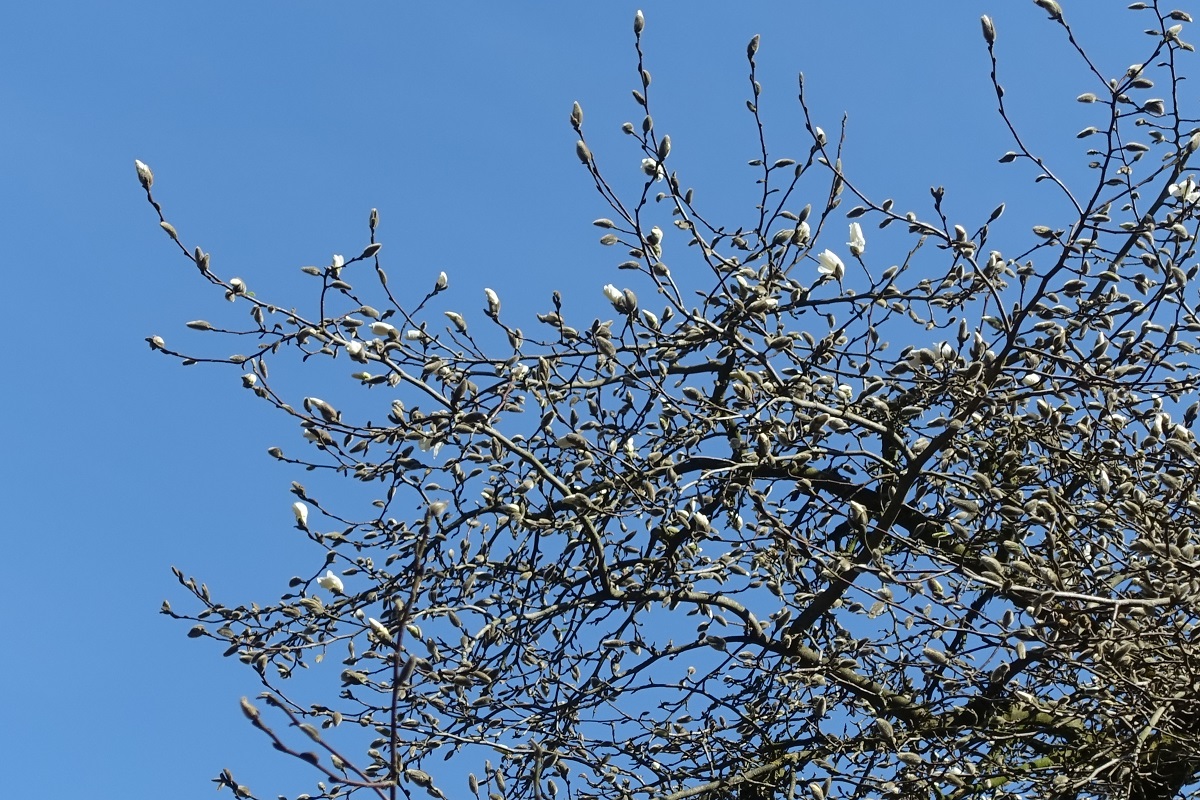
812,521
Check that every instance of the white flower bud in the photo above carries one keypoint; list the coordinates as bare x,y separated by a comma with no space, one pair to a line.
331,582
145,176
383,329
300,510
858,242
379,629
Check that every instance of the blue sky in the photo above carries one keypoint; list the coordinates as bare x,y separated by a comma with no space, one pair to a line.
272,129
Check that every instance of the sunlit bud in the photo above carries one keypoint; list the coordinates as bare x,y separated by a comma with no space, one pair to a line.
157,342
989,29
249,710
383,329
857,242
1031,379
821,139
651,319
145,176
249,379
416,335
613,294
664,148
338,261
301,512
519,371
576,115
639,22
493,301
379,629
1051,7
371,249
437,508
655,235
331,582
581,150
327,412
829,264
442,282
237,285
458,321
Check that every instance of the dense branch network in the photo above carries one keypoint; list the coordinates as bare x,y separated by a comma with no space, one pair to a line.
810,527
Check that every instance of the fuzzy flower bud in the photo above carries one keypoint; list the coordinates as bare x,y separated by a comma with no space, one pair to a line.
145,176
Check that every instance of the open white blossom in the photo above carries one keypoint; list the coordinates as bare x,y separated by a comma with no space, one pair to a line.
301,512
1186,190
331,582
858,242
829,264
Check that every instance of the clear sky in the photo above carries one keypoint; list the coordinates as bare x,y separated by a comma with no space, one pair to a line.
273,128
